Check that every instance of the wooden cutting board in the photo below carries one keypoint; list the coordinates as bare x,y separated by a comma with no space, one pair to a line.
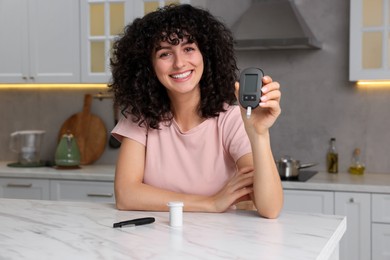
89,131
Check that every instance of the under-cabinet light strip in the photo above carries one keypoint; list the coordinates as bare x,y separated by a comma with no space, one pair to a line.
373,83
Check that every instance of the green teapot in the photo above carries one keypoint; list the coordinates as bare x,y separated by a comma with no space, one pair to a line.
67,152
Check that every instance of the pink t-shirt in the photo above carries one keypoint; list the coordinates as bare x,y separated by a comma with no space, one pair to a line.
198,161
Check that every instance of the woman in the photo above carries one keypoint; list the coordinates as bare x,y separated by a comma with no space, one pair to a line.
183,139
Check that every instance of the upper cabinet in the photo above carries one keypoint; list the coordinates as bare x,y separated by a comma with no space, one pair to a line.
369,40
101,22
39,41
64,41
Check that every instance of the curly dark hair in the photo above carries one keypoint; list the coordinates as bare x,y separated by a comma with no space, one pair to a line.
134,82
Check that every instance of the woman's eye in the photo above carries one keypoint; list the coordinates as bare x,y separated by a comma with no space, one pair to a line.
163,55
189,49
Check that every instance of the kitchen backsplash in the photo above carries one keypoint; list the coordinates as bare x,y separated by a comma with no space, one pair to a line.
318,101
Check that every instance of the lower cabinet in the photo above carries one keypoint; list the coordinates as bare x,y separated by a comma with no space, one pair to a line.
380,241
380,227
356,242
45,189
16,188
92,191
309,201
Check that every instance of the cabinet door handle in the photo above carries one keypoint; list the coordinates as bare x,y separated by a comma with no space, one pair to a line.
351,200
101,195
13,185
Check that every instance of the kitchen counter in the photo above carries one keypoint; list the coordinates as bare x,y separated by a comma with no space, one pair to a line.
92,172
369,182
35,229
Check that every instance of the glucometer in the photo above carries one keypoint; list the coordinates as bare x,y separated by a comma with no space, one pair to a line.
250,88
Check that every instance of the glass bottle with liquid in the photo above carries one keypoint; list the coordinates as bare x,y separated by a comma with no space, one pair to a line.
332,160
356,167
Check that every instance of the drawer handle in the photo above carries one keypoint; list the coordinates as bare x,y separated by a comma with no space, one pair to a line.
101,195
13,185
351,200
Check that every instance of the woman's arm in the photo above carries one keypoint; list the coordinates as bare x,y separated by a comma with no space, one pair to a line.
267,187
132,194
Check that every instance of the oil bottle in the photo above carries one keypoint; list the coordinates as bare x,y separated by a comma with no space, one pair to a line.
356,167
332,160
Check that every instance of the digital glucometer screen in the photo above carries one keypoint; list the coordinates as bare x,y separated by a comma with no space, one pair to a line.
251,82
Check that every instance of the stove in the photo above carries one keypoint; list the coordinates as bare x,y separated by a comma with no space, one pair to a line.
302,176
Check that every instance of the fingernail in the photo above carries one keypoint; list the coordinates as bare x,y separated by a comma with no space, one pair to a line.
264,89
263,98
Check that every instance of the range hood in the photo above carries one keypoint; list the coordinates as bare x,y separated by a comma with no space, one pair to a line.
273,24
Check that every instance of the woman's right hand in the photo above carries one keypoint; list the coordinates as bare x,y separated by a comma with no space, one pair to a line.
237,189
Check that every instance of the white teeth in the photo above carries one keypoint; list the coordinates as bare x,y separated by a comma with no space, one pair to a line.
182,75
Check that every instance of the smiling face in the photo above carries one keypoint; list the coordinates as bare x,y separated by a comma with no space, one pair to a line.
178,67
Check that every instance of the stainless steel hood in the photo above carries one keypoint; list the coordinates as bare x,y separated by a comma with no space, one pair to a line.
273,24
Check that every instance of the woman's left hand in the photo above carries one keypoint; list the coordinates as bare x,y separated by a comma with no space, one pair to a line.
265,115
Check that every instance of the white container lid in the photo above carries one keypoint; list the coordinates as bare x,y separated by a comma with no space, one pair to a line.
175,204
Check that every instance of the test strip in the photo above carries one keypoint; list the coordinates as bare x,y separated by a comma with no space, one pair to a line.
248,112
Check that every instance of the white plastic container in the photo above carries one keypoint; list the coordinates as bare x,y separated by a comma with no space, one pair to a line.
175,213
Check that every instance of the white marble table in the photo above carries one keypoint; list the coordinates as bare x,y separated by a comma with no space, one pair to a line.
68,230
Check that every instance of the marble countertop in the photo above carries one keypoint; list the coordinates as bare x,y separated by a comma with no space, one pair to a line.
369,182
92,172
33,229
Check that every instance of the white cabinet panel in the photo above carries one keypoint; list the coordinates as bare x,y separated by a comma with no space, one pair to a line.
14,41
98,34
92,191
381,208
380,242
356,243
54,40
40,41
380,227
369,54
309,201
16,188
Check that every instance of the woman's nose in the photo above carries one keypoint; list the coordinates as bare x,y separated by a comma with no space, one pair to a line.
179,62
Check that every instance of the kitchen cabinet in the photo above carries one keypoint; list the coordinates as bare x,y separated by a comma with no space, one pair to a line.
380,226
380,241
309,201
52,189
40,41
356,243
365,200
64,41
101,22
93,183
369,53
17,188
92,191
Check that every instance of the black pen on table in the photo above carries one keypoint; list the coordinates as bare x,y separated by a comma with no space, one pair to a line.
134,222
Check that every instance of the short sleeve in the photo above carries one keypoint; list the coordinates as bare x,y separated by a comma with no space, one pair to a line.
235,138
127,128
